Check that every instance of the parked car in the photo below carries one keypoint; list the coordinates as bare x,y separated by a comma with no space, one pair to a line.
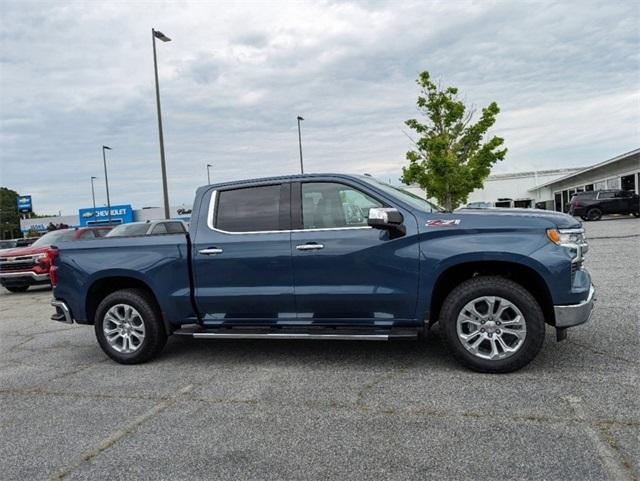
594,204
26,241
7,244
286,258
22,267
479,205
154,227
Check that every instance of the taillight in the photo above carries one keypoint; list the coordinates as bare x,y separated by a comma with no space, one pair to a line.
576,203
52,254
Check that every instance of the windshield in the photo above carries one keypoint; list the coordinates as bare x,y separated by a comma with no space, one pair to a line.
54,236
129,230
403,195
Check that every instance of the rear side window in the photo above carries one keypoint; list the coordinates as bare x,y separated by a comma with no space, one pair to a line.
250,209
606,195
88,234
175,228
585,195
159,229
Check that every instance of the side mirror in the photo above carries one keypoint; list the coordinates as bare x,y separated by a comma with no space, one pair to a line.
386,218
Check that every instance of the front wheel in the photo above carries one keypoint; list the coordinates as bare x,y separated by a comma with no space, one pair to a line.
492,324
128,327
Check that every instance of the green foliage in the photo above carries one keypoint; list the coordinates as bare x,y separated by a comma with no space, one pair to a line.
450,159
9,216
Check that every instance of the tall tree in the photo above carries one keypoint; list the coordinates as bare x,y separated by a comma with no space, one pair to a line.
450,159
9,216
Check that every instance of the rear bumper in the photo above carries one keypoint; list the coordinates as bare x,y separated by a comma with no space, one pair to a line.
575,314
63,313
23,277
577,211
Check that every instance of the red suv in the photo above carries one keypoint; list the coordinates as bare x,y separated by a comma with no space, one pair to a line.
29,266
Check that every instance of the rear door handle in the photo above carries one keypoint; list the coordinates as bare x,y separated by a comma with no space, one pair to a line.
310,246
210,251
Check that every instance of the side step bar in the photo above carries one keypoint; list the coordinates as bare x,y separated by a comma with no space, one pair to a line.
329,334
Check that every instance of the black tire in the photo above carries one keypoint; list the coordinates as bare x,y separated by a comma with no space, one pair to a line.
155,336
512,292
16,288
594,214
636,214
584,217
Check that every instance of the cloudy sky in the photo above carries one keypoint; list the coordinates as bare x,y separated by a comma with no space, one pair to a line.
77,75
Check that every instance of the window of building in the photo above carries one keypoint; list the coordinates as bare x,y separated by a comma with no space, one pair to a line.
249,209
613,183
588,187
628,182
327,205
600,185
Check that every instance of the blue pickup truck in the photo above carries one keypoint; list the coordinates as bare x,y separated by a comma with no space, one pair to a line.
332,257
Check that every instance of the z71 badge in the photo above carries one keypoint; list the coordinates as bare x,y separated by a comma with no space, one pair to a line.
442,222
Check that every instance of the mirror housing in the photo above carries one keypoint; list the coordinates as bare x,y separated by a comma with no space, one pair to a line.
386,218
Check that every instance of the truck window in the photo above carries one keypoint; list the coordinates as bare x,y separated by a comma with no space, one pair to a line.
328,205
605,195
250,209
88,234
160,228
175,228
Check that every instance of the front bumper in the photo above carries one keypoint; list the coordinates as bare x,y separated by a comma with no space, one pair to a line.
26,277
575,314
63,313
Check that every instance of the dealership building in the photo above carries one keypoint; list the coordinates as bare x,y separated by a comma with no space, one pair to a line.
552,189
120,214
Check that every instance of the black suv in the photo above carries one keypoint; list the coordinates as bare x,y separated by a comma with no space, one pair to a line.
593,205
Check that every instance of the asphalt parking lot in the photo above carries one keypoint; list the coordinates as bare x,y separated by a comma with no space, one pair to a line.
327,410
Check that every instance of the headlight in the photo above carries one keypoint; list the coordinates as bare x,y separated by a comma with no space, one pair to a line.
572,239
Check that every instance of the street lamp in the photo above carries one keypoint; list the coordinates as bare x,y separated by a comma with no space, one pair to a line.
106,180
300,144
159,35
208,174
93,193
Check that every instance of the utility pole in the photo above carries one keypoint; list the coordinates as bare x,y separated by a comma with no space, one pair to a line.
106,180
93,194
300,144
156,34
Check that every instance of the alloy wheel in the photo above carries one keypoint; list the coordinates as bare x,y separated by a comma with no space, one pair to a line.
491,327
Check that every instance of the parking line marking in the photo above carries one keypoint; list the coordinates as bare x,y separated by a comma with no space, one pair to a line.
615,469
119,434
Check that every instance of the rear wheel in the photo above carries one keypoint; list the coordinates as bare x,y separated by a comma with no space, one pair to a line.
594,214
16,288
128,327
492,324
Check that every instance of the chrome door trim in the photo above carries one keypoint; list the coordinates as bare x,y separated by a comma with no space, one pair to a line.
212,209
309,247
211,251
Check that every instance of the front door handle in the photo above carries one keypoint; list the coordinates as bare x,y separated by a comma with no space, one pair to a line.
310,247
210,251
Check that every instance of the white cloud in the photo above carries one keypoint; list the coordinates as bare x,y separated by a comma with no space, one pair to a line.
79,75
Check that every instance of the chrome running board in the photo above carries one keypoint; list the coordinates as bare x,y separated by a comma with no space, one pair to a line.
310,334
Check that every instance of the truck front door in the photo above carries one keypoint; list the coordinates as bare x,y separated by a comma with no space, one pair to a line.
345,270
242,256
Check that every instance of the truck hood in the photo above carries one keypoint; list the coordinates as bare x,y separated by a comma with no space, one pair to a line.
561,221
23,251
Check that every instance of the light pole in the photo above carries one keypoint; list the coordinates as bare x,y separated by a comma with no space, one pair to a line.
156,34
106,180
209,174
300,144
93,194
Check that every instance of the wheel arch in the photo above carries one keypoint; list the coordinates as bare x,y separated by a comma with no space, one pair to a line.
102,287
523,274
